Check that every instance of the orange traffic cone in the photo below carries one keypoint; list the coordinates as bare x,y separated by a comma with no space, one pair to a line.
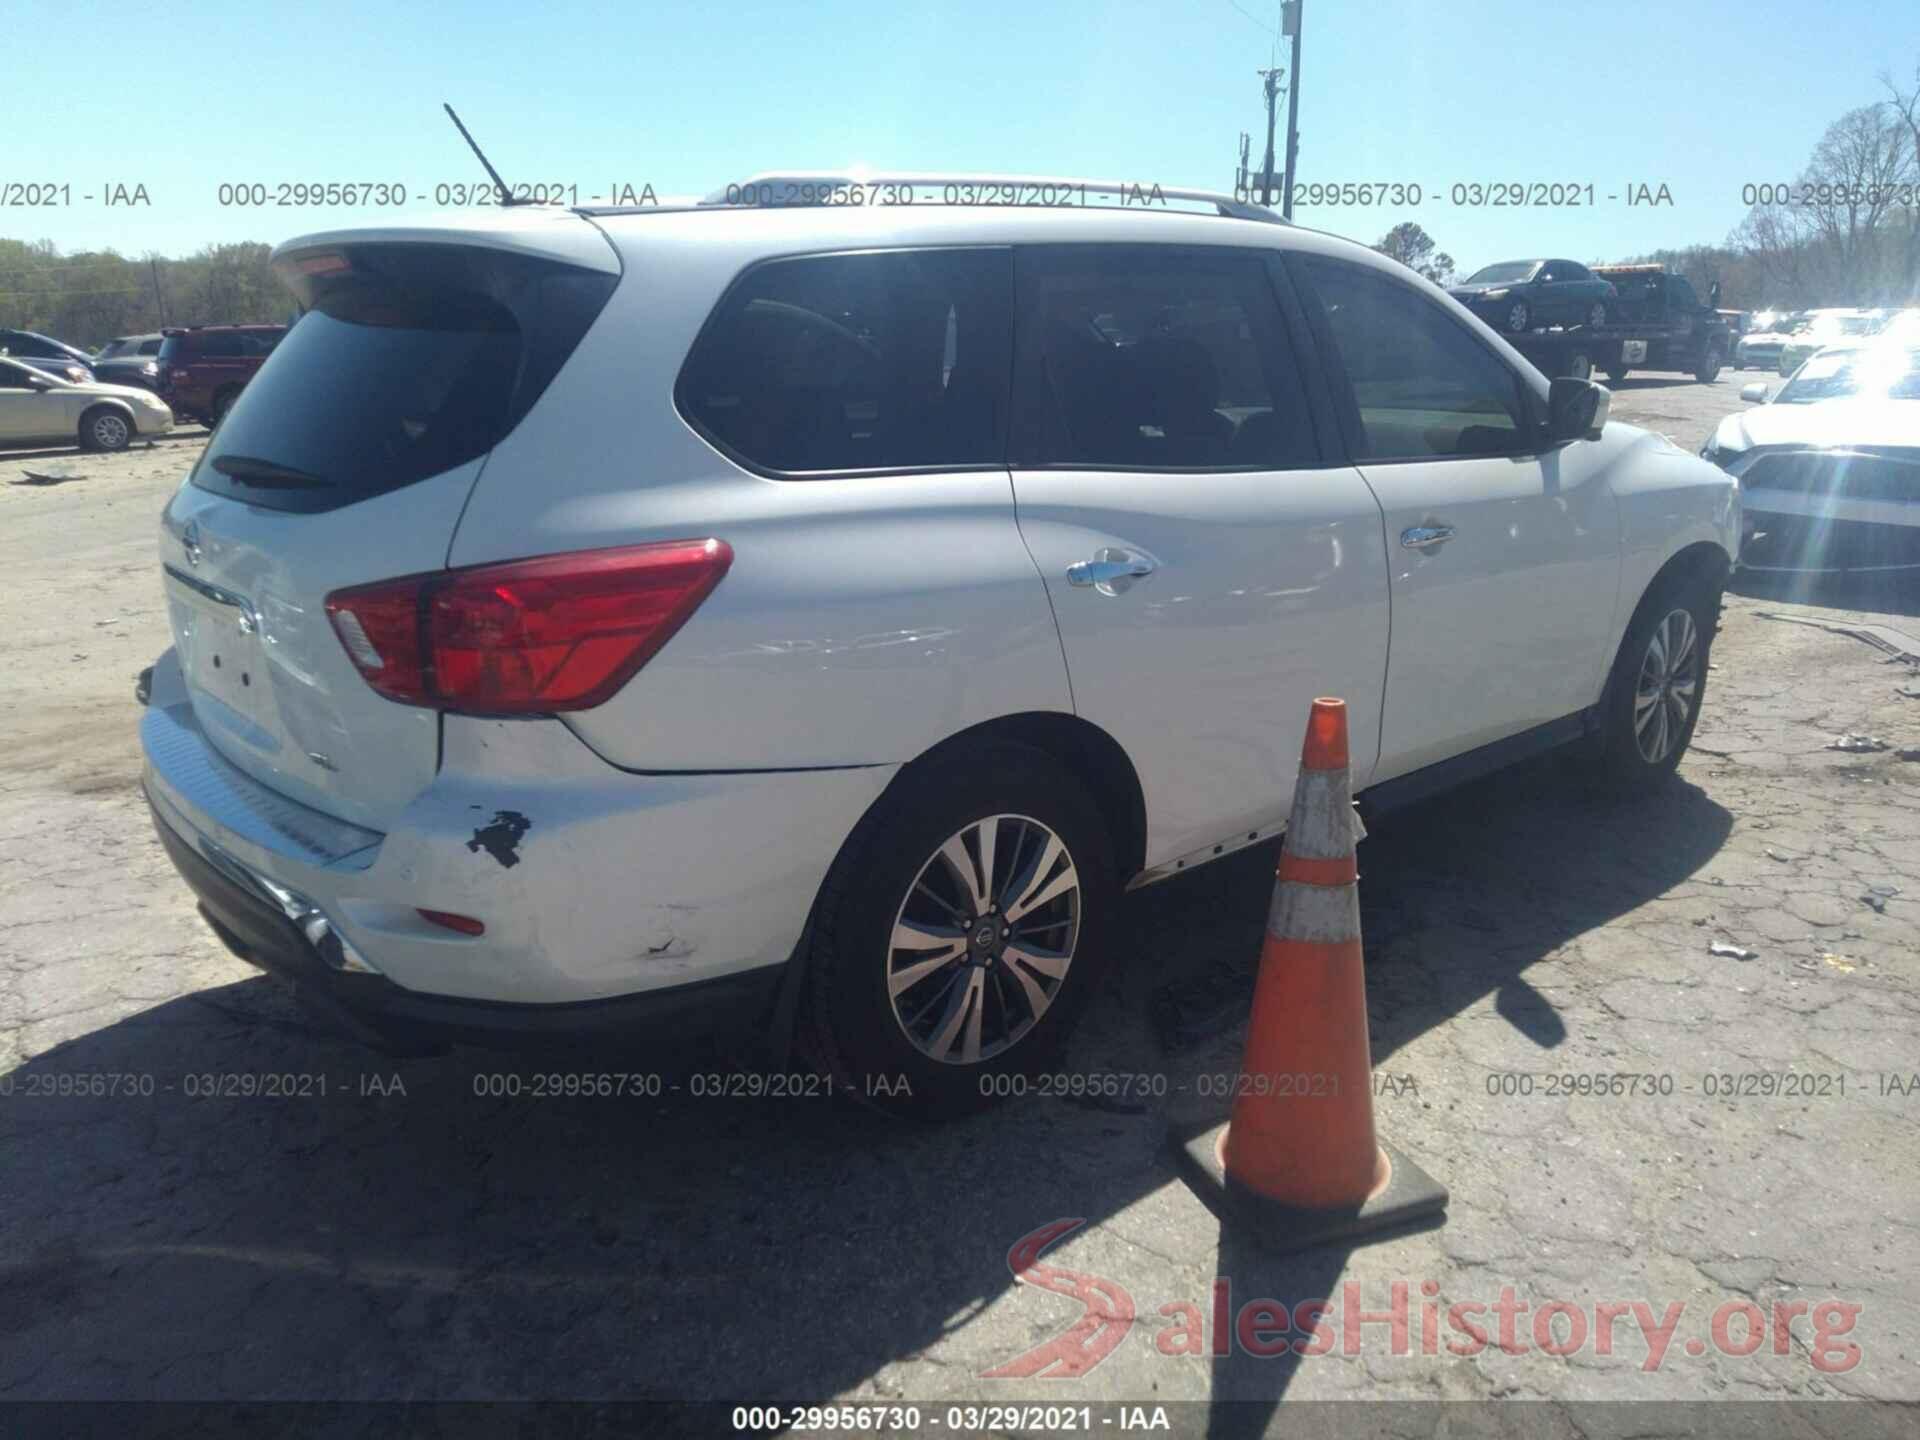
1299,1156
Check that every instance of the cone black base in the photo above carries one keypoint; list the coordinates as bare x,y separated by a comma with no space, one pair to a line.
1412,1200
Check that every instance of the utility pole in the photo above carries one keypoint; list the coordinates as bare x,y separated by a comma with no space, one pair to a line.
1272,79
1289,25
159,296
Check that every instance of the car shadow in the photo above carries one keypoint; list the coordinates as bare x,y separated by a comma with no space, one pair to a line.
1649,382
1876,591
68,452
405,1229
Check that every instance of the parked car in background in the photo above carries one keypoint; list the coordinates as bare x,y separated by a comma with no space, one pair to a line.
43,352
1902,328
1519,295
1766,337
1824,328
1829,468
204,368
130,360
37,406
593,617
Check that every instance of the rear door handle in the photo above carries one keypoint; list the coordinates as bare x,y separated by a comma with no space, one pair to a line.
1110,571
1425,537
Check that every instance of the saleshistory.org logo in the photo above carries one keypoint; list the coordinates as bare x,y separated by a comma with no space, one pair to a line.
1266,1328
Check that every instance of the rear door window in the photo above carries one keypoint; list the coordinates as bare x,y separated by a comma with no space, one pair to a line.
1155,357
1422,385
411,359
880,361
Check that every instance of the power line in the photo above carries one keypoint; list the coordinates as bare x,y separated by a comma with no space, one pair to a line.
1274,49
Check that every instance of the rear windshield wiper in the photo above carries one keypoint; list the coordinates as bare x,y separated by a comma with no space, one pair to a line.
249,470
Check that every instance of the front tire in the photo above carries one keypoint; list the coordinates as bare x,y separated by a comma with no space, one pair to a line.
960,932
105,429
1659,681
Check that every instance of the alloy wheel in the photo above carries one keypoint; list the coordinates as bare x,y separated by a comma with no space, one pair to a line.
110,432
1668,687
983,940
1517,317
1597,316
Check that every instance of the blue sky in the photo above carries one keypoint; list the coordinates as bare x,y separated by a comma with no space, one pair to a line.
1701,97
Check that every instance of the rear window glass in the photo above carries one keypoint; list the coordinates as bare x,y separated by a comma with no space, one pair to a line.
879,361
401,369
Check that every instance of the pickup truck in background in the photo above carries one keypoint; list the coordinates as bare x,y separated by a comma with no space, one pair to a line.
1668,326
1655,322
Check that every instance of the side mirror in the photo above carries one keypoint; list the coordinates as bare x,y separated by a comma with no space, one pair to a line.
1713,295
1576,409
1753,394
36,383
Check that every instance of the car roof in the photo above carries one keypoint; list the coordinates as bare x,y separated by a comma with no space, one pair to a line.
590,236
204,329
797,230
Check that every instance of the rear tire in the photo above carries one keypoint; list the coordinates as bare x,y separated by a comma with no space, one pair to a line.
949,1021
1658,684
1596,315
1617,373
1519,316
222,402
105,429
1710,364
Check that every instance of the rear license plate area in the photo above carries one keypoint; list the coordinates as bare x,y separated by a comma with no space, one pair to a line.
224,661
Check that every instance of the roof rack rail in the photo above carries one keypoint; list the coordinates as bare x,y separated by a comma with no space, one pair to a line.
1048,191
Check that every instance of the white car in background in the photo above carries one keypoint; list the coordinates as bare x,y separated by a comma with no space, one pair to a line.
1766,337
36,406
647,617
1824,328
1829,468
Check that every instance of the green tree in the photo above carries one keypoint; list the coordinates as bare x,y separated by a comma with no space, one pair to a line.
1414,248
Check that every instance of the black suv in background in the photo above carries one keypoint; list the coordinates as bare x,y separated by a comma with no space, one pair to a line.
205,367
43,352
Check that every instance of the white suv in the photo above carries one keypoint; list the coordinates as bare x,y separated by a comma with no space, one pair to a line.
817,615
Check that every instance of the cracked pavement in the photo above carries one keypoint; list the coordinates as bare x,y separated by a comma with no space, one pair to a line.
401,1237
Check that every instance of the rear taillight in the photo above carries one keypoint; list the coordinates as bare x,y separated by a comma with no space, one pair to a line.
179,377
529,637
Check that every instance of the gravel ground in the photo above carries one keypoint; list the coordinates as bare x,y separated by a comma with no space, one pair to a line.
401,1238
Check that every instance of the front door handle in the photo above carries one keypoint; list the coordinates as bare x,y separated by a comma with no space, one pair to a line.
1110,571
1425,537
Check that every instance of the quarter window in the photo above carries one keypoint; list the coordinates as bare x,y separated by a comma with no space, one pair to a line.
1156,358
879,361
1423,386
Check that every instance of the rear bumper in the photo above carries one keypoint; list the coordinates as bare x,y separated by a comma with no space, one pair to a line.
381,1013
597,887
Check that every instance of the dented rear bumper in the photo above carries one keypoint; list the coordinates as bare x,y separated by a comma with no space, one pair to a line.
597,887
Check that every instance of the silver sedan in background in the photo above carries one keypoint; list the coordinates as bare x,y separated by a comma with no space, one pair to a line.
36,406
